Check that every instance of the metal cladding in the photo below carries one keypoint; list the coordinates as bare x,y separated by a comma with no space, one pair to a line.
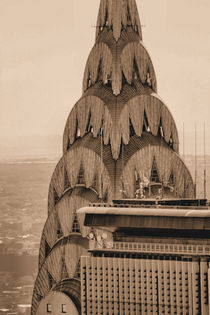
119,134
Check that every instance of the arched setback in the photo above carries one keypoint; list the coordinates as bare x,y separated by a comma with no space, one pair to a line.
57,303
109,65
116,121
63,218
64,256
94,172
168,166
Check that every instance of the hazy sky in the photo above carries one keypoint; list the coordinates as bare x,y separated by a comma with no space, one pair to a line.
44,45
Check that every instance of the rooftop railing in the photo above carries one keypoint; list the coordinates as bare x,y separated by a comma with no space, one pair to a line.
157,248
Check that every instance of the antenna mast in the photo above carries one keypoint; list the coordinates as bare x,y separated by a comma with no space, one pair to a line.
101,183
183,143
204,160
195,192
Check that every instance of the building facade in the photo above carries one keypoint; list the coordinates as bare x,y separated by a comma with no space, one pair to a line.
157,262
120,141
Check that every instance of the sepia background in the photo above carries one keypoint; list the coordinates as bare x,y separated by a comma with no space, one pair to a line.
44,45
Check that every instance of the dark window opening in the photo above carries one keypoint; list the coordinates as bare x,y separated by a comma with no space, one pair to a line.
47,249
39,297
56,197
132,131
88,127
49,308
171,142
68,144
52,282
64,309
100,73
124,81
171,179
59,230
135,71
146,123
137,181
66,180
76,128
154,173
81,176
105,198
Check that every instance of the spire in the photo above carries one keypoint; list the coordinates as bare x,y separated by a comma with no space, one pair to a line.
119,56
118,15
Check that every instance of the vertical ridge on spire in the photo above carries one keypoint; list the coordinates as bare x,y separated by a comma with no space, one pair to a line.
116,15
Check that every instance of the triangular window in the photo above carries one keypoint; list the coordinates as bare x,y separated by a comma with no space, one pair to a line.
47,249
68,144
64,272
59,230
56,197
171,179
100,72
94,185
81,176
39,297
75,225
154,173
171,143
137,181
52,282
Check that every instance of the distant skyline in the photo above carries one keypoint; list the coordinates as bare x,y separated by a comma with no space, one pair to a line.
44,46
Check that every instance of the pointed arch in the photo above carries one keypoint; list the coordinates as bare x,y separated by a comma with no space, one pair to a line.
163,162
50,274
81,165
65,211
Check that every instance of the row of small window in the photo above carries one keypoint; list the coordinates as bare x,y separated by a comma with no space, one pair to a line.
63,308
